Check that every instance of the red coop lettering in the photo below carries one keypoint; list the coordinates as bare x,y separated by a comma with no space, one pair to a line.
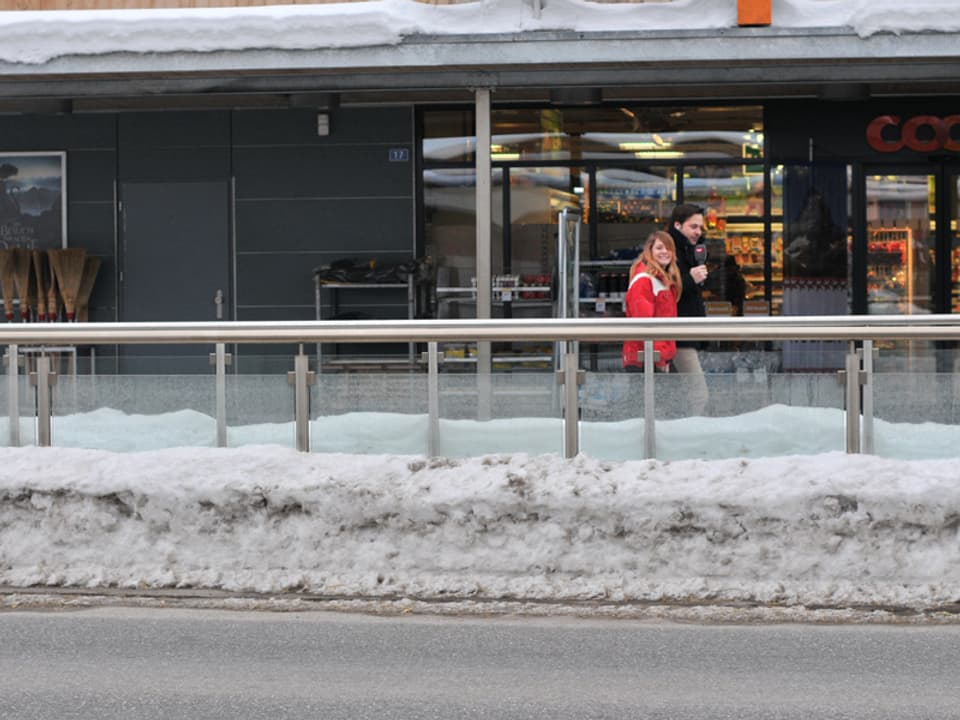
935,137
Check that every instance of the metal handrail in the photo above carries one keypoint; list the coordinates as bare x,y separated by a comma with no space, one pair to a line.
845,327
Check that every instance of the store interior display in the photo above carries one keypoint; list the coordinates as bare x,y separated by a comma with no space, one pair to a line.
955,278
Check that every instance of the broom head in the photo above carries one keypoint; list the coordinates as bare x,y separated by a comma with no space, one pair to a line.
68,266
90,268
53,301
23,279
7,281
40,273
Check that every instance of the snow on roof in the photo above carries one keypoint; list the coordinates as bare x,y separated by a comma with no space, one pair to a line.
36,37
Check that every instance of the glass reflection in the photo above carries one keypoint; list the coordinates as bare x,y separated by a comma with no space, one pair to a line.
901,267
955,246
733,201
599,133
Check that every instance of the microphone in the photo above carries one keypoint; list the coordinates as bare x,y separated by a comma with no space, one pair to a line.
700,254
700,257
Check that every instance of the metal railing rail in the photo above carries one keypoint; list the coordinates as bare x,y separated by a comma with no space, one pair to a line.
846,327
850,329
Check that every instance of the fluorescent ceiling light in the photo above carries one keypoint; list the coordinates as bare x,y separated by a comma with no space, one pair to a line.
658,154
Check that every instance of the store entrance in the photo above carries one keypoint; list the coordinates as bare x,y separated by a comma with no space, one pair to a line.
952,242
901,242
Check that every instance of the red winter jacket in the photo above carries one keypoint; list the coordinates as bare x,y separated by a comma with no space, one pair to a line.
649,297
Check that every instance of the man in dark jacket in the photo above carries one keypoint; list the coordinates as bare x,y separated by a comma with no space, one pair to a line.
686,228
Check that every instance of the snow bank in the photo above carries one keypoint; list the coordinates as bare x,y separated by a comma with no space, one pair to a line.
832,529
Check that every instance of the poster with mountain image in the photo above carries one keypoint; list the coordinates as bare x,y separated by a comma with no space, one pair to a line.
33,200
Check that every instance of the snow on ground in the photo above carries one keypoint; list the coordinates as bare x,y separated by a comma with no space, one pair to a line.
39,36
800,529
773,430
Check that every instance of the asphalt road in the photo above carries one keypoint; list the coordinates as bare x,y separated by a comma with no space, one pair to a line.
170,663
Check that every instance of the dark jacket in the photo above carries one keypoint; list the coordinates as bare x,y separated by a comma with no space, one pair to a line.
691,299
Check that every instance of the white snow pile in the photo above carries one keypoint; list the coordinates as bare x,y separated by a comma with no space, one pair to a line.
830,530
33,37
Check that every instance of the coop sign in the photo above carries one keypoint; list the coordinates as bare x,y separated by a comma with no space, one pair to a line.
921,133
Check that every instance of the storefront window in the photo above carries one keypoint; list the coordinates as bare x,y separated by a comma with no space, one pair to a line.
599,133
955,245
448,136
631,203
537,195
732,199
817,245
449,211
633,156
901,258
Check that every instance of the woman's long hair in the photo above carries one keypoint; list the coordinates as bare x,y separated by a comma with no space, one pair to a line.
669,275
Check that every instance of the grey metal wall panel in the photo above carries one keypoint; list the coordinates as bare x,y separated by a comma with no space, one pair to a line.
338,226
303,201
275,280
90,175
360,170
299,127
174,146
90,226
286,280
173,129
58,132
181,164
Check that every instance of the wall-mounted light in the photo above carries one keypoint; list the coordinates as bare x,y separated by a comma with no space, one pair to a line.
323,124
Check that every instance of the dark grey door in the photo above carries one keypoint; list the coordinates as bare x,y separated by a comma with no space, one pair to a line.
175,250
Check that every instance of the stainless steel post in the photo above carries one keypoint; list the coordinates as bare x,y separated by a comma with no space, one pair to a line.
302,401
433,400
221,385
867,382
13,394
484,185
318,303
852,377
571,401
43,401
649,421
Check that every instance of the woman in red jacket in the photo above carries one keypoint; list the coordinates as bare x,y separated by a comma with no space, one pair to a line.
655,287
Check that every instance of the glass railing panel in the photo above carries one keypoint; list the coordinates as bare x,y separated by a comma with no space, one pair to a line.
754,409
260,410
369,413
133,412
520,413
916,404
26,412
612,414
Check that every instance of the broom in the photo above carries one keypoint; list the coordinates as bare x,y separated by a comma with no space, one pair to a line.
22,276
68,265
40,272
53,306
90,268
6,279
